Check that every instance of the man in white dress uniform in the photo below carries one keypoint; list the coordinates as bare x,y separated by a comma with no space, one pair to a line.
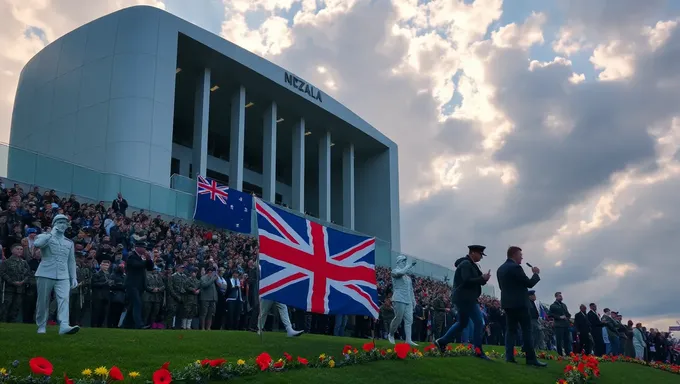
56,272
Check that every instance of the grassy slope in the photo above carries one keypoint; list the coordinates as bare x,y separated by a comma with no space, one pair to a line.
145,351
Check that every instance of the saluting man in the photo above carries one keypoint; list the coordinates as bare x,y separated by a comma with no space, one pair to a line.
56,272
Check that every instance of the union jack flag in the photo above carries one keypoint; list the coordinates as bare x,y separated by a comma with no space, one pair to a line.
213,189
319,269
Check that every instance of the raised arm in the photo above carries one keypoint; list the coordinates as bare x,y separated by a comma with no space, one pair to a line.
399,272
519,275
42,240
468,276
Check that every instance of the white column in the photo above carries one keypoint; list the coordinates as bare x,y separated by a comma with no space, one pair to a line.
298,187
238,120
325,177
201,118
269,154
348,187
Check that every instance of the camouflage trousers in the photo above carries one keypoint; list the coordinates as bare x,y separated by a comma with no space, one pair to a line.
190,306
150,311
173,309
9,309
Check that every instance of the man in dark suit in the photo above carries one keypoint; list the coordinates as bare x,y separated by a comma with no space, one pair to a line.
514,285
596,330
467,287
583,328
138,262
559,312
234,296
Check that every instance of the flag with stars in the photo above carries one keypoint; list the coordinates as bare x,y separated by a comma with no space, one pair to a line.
226,208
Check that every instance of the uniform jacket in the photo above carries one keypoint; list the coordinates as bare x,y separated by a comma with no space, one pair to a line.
154,280
402,287
514,284
58,257
467,281
12,270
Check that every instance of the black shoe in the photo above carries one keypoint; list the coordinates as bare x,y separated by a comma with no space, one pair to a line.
513,361
441,349
537,363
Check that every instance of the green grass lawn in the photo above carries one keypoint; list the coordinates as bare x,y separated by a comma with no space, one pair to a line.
146,351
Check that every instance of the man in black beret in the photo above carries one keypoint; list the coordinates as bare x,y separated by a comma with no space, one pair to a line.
467,287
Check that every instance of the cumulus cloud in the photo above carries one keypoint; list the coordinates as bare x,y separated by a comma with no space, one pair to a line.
574,158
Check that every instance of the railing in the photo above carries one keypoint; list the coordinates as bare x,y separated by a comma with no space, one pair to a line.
33,169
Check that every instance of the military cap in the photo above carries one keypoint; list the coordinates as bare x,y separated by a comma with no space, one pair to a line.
59,217
477,248
532,292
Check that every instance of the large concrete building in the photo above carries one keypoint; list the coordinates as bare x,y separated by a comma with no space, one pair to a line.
137,96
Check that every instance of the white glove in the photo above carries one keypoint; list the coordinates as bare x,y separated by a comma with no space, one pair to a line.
74,283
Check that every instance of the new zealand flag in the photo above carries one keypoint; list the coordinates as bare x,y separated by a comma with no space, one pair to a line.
222,207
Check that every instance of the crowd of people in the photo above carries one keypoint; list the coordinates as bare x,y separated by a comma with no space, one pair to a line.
207,279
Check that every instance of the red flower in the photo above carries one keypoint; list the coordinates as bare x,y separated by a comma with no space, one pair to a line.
166,366
278,364
302,360
115,374
205,362
383,352
429,348
347,349
288,357
263,361
67,380
216,362
41,366
402,350
162,376
368,347
581,367
478,351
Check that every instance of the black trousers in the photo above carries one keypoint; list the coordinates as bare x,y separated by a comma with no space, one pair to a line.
584,340
519,318
599,341
233,314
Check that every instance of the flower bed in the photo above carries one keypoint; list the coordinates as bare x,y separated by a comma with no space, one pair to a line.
579,369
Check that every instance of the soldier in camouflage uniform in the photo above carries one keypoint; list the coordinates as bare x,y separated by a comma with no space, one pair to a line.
438,317
14,274
77,300
190,300
173,297
153,296
31,295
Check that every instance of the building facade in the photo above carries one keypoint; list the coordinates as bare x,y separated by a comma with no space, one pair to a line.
144,96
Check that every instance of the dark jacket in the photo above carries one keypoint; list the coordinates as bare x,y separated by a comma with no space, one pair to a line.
581,322
595,321
558,309
467,281
135,269
514,285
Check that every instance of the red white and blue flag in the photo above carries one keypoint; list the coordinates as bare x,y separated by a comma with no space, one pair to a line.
222,207
319,269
